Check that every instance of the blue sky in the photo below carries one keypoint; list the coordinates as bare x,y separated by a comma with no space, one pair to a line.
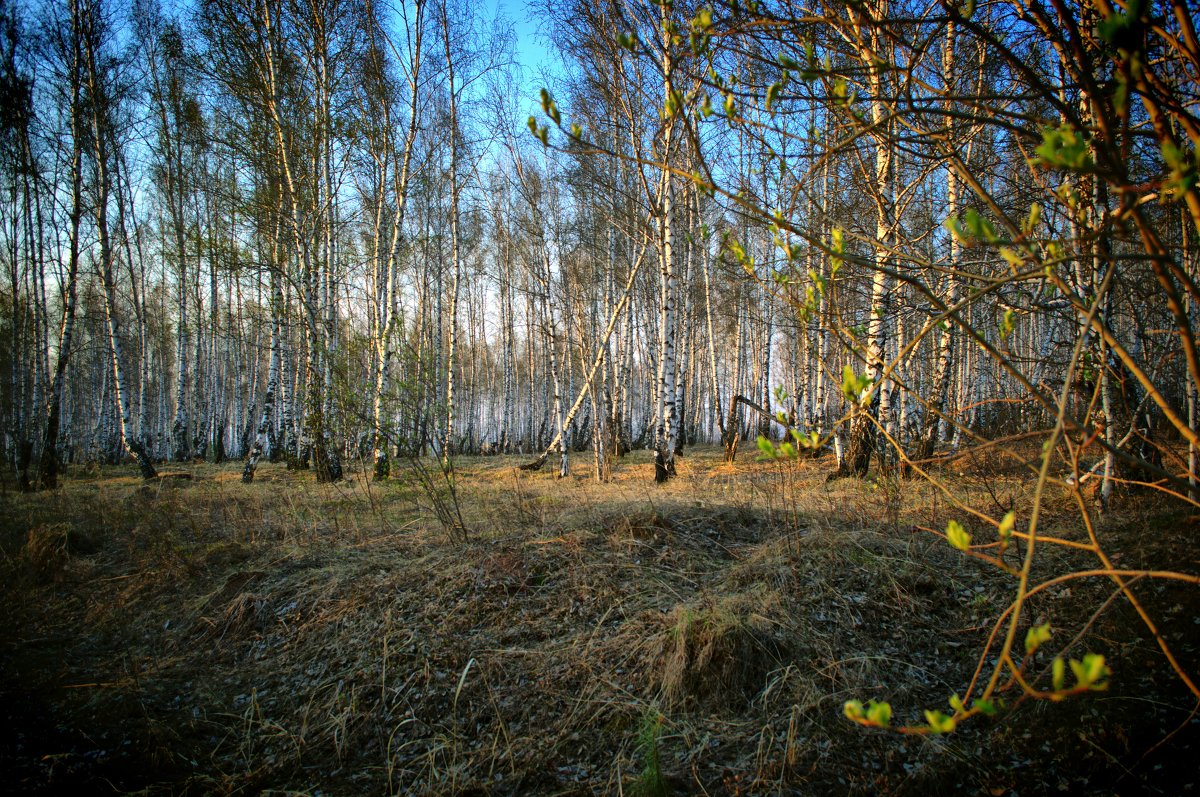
532,50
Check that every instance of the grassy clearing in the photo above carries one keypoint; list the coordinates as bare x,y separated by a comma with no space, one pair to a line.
197,636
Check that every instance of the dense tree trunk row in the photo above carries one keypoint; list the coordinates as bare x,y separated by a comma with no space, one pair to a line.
292,233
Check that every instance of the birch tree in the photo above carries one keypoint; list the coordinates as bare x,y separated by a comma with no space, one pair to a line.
64,49
393,168
100,85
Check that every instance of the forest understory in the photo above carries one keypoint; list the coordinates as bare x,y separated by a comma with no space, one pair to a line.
201,636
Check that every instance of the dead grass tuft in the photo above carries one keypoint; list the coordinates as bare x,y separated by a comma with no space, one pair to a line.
644,526
717,654
50,547
293,637
232,611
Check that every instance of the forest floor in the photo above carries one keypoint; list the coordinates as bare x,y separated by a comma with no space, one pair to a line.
200,636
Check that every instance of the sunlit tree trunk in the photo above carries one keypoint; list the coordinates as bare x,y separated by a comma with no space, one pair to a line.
861,443
667,420
715,382
456,268
387,267
310,273
943,359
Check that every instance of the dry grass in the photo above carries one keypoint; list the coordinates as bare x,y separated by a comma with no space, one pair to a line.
223,639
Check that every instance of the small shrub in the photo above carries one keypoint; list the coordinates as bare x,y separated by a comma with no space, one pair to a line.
650,782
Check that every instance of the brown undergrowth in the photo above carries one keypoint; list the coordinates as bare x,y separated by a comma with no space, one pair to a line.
204,637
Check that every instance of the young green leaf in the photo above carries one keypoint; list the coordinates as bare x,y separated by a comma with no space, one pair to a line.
984,706
773,94
854,387
841,94
787,62
1007,524
1011,256
837,246
1121,94
670,107
1065,148
539,131
1031,222
1035,637
550,108
980,227
879,713
1091,672
1183,170
1007,324
737,250
1111,28
938,722
957,536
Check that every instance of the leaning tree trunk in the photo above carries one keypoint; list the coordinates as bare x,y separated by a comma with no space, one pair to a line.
597,363
48,465
47,475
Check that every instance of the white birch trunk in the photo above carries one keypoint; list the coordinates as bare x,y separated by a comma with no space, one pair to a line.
100,133
664,459
260,438
389,309
861,444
